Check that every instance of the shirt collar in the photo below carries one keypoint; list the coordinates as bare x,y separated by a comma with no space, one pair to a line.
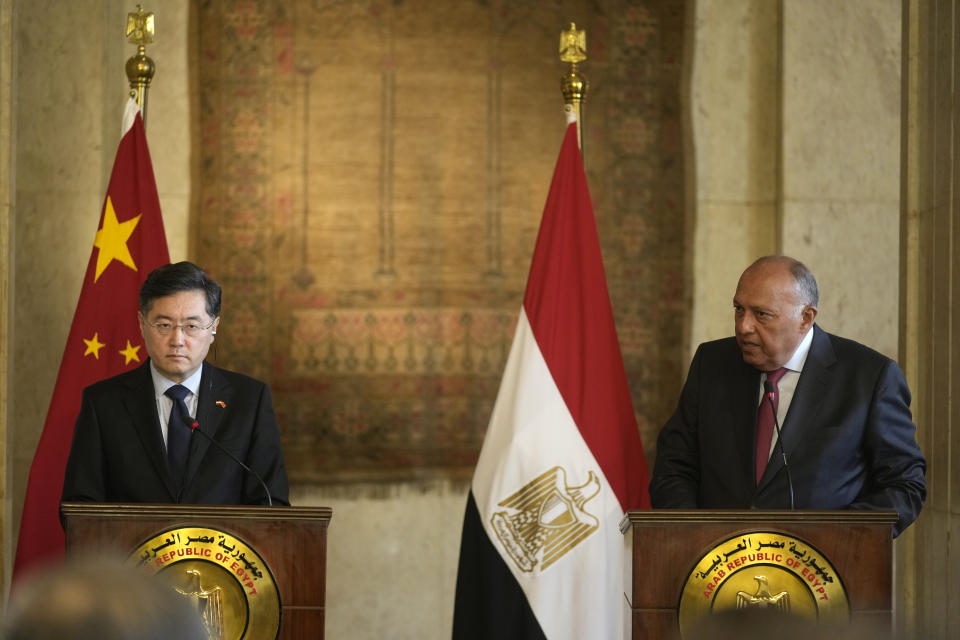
799,357
161,384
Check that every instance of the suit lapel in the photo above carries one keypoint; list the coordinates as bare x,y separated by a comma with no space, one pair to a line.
746,389
214,389
140,402
814,380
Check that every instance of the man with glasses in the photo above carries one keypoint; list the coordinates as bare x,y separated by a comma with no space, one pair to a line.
135,437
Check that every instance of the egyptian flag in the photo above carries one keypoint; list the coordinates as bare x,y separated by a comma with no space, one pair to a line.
542,555
104,338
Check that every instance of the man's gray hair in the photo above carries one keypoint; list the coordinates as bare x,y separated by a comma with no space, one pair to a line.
806,283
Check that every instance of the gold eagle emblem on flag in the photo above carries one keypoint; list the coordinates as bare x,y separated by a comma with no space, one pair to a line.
546,519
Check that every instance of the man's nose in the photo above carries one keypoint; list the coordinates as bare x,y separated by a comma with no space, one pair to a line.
744,323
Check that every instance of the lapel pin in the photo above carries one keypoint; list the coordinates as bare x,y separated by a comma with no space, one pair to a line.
221,404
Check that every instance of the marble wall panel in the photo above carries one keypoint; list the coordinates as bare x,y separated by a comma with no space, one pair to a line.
393,556
841,100
734,97
936,568
852,247
729,236
735,119
930,212
841,160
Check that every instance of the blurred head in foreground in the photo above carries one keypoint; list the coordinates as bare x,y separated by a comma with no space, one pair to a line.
99,599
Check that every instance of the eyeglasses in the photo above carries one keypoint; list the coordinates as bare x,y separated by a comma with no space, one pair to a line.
191,329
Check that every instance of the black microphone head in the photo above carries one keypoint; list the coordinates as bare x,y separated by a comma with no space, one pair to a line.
768,388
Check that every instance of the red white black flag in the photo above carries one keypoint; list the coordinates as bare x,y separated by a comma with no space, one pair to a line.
542,555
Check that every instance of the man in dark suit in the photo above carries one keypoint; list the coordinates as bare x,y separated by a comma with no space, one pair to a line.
134,439
846,430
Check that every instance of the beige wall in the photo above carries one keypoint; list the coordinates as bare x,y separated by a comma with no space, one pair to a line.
393,553
734,108
797,151
841,160
930,318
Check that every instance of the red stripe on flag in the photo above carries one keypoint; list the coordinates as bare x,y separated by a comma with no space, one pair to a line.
568,307
106,315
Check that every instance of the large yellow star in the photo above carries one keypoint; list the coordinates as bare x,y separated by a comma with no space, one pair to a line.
93,346
112,240
130,353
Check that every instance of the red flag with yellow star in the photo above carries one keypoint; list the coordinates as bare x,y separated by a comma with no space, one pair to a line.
104,337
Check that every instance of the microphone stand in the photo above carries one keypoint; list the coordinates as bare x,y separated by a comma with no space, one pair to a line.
769,393
195,427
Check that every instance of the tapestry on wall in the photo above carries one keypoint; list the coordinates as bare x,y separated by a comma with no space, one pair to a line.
371,177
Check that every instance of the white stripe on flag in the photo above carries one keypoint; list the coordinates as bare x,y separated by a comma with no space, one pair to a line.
531,431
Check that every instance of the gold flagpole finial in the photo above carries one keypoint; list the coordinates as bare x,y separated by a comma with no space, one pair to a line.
573,50
140,68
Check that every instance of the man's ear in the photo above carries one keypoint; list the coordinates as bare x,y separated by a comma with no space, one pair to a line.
808,315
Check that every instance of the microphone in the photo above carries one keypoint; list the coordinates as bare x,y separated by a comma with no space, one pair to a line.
195,427
769,393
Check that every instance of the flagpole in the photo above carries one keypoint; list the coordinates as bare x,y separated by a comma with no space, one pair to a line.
140,67
573,50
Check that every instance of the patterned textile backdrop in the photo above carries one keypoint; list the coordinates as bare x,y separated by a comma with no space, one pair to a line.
370,182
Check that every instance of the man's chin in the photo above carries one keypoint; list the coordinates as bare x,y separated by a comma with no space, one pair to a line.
752,358
177,370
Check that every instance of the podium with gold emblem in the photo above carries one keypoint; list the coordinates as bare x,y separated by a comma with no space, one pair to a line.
829,567
255,573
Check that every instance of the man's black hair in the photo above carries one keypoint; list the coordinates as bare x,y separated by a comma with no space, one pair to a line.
174,278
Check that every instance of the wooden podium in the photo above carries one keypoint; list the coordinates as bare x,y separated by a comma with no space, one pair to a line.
682,562
253,546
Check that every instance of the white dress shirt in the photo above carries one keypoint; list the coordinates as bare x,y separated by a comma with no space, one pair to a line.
788,383
165,404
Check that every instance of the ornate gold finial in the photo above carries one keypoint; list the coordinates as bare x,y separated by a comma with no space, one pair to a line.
573,45
140,27
573,50
140,68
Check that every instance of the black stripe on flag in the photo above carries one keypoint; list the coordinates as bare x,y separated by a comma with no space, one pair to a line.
489,603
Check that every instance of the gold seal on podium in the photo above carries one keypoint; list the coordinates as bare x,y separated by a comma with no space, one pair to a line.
229,583
764,569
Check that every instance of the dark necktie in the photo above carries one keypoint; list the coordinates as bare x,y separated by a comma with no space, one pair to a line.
178,433
765,418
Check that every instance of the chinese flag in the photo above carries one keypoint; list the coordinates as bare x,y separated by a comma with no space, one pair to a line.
104,337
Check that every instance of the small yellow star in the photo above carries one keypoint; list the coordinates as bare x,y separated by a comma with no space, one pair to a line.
112,240
93,346
130,353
